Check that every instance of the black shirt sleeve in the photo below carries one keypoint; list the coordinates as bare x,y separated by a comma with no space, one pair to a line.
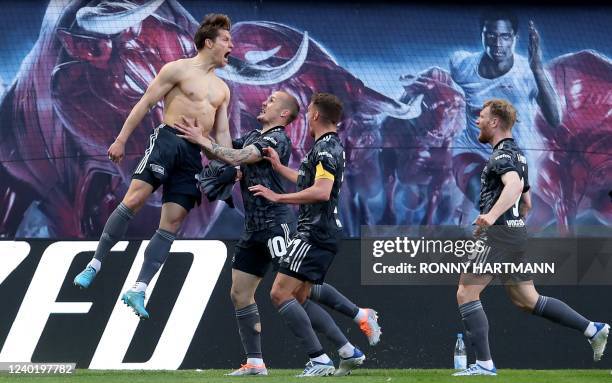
503,163
325,155
275,140
238,143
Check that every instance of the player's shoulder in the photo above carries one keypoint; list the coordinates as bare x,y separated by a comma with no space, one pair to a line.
329,146
461,62
250,134
174,68
507,151
279,135
329,141
274,139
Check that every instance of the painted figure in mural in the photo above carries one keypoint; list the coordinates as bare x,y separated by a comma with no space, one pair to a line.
268,228
75,60
505,200
575,183
498,72
80,80
417,153
90,65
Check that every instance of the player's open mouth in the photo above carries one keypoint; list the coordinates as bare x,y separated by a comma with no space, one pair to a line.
226,56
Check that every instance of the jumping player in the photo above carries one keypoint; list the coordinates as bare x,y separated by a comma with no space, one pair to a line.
189,87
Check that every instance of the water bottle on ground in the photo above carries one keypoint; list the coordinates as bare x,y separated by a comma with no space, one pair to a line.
460,354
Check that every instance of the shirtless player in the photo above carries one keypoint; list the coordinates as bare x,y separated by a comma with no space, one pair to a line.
190,88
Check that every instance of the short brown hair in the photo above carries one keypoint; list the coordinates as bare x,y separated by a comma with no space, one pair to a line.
328,106
503,110
292,104
209,28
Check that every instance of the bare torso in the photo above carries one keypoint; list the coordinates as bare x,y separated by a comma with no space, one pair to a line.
197,95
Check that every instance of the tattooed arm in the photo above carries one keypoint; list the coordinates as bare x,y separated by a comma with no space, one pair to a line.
234,157
193,133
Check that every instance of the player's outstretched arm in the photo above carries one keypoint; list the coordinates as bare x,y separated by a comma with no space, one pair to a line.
191,131
319,192
271,156
248,155
547,97
159,87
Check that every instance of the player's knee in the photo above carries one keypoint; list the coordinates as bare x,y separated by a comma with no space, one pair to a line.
278,295
240,298
171,225
301,296
523,303
134,201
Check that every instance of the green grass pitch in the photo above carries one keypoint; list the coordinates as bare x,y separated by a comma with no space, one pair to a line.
359,376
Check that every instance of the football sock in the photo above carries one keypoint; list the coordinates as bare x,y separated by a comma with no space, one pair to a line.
361,315
114,230
559,312
321,359
255,361
249,328
155,255
296,318
324,324
346,351
139,287
327,295
96,264
476,328
591,330
488,364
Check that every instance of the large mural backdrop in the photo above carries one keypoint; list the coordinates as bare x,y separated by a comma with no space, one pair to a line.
408,77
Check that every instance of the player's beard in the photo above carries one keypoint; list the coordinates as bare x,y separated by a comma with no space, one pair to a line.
483,138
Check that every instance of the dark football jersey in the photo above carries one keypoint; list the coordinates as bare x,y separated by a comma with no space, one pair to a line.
318,223
506,157
260,213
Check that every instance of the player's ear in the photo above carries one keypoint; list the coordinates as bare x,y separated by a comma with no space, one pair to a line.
208,43
285,113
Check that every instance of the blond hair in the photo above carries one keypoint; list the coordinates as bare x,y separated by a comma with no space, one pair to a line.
503,110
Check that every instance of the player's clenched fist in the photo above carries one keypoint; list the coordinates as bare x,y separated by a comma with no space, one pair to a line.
116,151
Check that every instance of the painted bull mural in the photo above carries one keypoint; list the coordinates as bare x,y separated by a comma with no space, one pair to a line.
94,59
576,173
92,63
